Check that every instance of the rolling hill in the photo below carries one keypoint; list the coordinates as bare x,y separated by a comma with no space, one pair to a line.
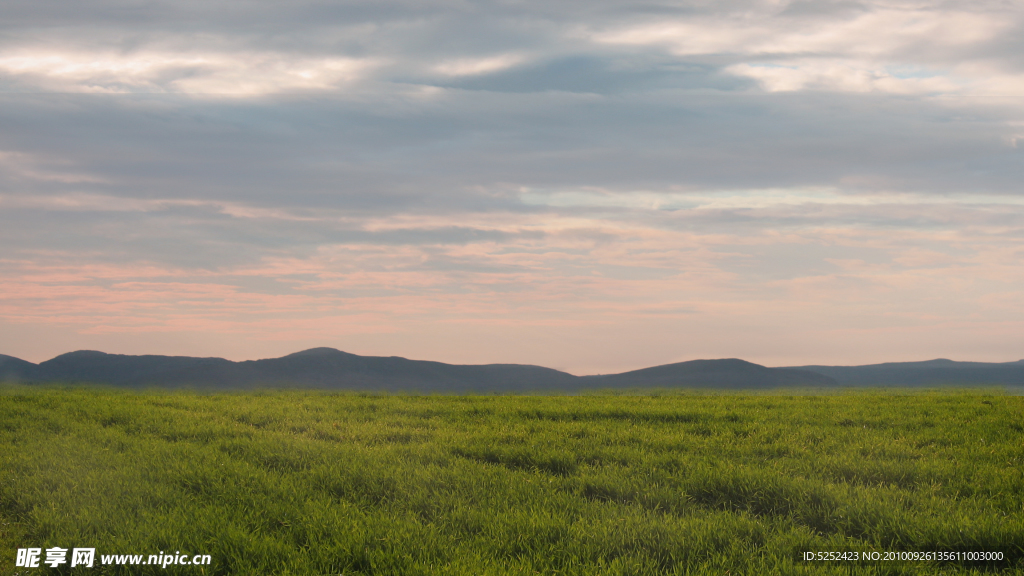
330,369
730,373
327,368
940,372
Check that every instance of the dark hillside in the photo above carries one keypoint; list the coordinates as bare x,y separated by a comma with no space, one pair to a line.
729,373
17,370
330,369
939,372
320,368
149,370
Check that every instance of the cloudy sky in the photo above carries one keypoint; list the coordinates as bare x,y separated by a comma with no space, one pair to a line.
590,185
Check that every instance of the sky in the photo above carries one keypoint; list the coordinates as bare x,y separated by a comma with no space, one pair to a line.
593,186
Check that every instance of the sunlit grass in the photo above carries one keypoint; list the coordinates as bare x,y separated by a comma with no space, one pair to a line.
316,483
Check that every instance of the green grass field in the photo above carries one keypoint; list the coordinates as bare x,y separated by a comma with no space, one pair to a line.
317,483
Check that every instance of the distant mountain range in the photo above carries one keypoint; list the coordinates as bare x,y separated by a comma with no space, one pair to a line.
327,368
928,373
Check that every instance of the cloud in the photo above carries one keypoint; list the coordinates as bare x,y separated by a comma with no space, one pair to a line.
237,75
487,182
871,31
475,66
842,76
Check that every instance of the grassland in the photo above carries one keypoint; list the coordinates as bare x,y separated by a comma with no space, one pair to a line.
314,483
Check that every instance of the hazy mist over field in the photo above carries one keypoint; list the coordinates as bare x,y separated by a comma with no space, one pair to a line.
590,186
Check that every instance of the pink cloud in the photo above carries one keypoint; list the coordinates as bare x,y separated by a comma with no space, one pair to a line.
595,280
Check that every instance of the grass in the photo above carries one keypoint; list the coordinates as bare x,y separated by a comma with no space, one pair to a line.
301,483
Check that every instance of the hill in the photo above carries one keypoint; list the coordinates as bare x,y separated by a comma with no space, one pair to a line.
940,372
330,369
729,373
17,370
327,368
321,368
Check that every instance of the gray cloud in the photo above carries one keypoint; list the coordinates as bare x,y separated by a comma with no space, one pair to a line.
439,154
598,155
